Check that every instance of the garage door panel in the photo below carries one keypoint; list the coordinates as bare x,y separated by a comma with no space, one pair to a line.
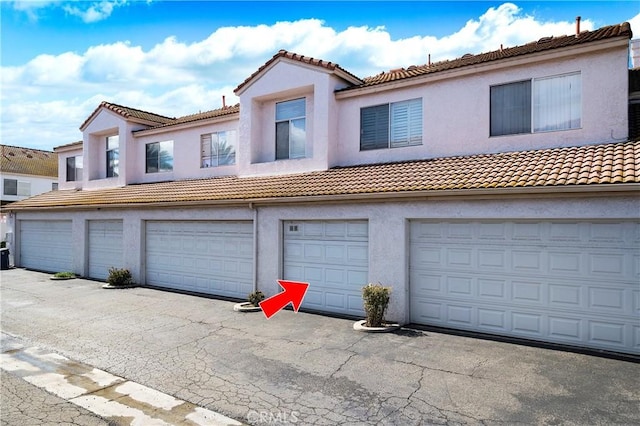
459,314
335,277
527,292
492,289
606,298
460,258
105,247
543,281
566,296
332,256
492,320
607,333
314,252
565,328
358,255
526,324
336,300
46,245
206,257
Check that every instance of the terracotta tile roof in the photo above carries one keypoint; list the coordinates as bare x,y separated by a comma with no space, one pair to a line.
543,44
616,163
77,144
220,112
28,161
300,58
128,113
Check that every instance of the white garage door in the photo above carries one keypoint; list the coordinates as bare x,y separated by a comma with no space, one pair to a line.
204,257
105,247
575,283
46,245
332,256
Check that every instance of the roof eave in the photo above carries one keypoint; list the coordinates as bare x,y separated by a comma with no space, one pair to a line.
101,108
186,125
593,190
68,147
336,70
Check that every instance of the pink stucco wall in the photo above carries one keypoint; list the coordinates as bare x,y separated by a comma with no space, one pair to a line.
455,118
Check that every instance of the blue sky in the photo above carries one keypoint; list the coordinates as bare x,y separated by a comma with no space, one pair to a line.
60,59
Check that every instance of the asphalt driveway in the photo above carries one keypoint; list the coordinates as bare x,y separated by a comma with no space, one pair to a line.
309,369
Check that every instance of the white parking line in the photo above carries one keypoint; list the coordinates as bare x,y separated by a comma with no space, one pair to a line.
104,394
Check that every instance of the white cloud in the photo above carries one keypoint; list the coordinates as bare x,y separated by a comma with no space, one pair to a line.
177,78
87,11
635,25
93,11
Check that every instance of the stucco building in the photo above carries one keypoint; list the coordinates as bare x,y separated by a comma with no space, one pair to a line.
25,172
496,193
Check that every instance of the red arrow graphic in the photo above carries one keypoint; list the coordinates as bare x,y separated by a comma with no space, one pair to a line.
293,293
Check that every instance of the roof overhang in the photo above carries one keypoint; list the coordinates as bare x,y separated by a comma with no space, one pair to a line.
68,147
186,125
527,193
335,70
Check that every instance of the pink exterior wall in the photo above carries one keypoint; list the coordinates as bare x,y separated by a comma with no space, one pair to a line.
63,154
456,110
282,82
186,153
455,118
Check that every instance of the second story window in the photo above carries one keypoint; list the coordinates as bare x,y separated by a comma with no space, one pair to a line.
218,149
159,157
16,187
538,105
10,187
113,155
74,168
291,134
391,125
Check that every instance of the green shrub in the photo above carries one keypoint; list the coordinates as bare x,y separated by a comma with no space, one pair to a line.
255,298
3,244
376,299
119,277
64,275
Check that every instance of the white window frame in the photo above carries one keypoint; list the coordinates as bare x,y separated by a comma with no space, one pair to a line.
399,126
77,168
113,154
162,146
556,107
24,189
211,154
296,128
562,108
14,184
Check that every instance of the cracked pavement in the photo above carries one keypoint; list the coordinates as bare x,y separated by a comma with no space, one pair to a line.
303,368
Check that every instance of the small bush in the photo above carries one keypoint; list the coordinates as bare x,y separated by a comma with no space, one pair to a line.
3,244
255,298
376,299
119,277
64,275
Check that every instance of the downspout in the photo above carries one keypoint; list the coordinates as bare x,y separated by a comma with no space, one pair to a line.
255,246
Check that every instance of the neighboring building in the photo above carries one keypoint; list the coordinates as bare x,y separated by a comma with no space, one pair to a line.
25,172
496,193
